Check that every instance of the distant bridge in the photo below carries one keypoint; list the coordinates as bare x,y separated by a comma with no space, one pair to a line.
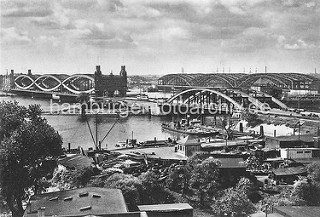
288,82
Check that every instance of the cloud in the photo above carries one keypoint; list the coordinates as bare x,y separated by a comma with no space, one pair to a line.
13,36
26,8
96,34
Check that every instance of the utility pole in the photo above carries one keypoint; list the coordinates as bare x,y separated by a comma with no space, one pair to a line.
97,139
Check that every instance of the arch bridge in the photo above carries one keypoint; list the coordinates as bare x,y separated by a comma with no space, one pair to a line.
74,84
287,82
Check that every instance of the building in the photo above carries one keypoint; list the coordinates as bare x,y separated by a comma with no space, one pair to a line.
93,201
110,85
168,210
231,169
305,141
77,202
188,146
299,153
76,161
297,211
289,174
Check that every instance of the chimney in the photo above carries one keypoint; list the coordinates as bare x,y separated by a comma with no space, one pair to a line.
29,71
265,69
12,71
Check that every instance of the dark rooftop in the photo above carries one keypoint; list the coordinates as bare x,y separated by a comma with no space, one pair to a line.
298,211
78,202
304,138
231,162
290,171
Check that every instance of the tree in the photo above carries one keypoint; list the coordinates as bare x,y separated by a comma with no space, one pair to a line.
178,178
234,202
252,118
314,171
28,151
306,193
153,190
204,179
130,186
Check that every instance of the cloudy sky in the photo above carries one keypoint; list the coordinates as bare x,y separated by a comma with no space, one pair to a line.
159,37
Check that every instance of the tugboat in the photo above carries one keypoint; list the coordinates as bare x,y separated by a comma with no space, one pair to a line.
192,128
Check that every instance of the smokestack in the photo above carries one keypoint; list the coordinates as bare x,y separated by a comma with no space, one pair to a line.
265,69
315,70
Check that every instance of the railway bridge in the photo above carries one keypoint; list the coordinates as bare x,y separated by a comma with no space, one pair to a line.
66,85
238,90
288,83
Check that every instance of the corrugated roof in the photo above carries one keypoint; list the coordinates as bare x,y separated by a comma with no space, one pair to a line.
78,202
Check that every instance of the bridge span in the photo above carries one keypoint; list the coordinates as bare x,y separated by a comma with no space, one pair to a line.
66,85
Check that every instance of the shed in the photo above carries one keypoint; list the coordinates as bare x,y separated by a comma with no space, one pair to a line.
167,210
289,174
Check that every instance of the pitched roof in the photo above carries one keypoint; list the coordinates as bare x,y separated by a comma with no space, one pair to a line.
78,202
189,140
290,171
231,162
76,161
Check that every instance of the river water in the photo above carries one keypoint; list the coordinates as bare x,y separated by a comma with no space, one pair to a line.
75,131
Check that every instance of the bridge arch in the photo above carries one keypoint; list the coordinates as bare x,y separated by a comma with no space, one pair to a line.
178,79
279,80
202,91
59,83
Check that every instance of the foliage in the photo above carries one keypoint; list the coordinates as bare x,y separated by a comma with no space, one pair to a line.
130,186
306,193
153,191
314,171
281,199
234,202
29,147
178,179
68,179
251,118
204,179
83,97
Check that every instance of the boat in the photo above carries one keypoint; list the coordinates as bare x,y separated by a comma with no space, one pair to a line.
190,130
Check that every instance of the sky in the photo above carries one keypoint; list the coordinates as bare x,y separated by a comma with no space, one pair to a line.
160,37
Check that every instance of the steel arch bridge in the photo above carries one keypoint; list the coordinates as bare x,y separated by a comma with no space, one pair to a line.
285,81
74,84
206,98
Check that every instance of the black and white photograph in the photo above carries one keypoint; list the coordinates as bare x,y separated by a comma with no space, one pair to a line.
160,108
